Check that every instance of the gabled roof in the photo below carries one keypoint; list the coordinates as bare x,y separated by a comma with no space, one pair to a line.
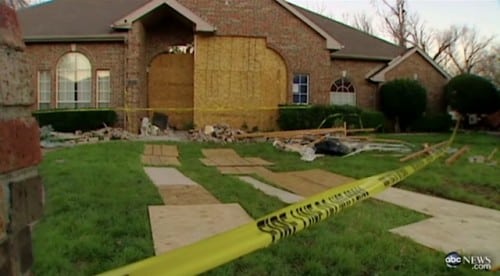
126,21
357,44
331,43
100,19
379,76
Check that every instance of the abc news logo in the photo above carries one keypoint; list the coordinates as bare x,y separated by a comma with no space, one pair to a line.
454,260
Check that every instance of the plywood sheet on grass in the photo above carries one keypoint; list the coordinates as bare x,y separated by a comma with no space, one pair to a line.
238,170
229,158
178,226
186,195
216,153
153,160
324,178
160,155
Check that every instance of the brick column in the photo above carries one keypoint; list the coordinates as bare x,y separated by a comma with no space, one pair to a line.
21,190
135,76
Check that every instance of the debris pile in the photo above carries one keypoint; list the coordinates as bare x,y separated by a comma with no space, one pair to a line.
219,133
53,139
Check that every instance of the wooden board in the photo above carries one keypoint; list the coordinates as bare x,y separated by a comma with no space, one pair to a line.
229,158
215,153
238,170
234,77
171,86
153,160
177,226
186,195
324,178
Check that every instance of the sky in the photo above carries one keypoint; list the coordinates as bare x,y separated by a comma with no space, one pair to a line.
484,15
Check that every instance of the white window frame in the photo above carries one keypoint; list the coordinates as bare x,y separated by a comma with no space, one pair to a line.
70,84
103,94
343,94
297,85
44,89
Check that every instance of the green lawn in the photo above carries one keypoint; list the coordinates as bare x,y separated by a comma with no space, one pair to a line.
97,196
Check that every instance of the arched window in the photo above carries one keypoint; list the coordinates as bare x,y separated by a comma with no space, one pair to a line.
74,81
342,92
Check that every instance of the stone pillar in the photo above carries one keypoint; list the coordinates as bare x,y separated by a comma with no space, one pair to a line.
21,190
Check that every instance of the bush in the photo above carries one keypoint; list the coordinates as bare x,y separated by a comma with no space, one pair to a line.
433,123
472,94
310,117
373,119
404,100
71,120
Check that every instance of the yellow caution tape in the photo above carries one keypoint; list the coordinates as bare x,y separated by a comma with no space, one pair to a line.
220,249
178,109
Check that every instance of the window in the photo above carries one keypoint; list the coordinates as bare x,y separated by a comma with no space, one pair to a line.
301,89
342,93
74,81
103,88
44,89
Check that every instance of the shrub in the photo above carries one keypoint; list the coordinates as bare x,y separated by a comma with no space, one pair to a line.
72,120
468,93
373,119
403,100
440,122
310,117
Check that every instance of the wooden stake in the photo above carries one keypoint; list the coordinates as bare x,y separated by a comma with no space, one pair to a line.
457,155
424,151
492,154
291,133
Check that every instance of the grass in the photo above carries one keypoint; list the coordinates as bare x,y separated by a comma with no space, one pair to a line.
97,196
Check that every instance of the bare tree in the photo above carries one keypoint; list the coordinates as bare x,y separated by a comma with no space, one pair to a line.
468,50
360,21
489,66
396,19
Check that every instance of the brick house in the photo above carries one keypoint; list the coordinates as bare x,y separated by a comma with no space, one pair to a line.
209,61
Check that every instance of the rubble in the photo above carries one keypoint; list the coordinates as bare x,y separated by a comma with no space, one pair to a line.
53,139
219,133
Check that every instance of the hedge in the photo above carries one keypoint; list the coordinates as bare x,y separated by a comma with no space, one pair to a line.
441,122
293,117
72,120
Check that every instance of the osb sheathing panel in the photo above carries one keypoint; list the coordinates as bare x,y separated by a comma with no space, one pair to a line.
237,73
170,86
175,226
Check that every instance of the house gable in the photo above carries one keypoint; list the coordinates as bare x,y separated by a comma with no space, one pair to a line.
380,76
126,21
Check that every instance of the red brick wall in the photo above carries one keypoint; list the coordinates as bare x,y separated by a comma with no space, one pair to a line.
356,72
429,77
21,190
108,56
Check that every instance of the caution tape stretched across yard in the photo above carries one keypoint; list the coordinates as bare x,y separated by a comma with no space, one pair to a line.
223,248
